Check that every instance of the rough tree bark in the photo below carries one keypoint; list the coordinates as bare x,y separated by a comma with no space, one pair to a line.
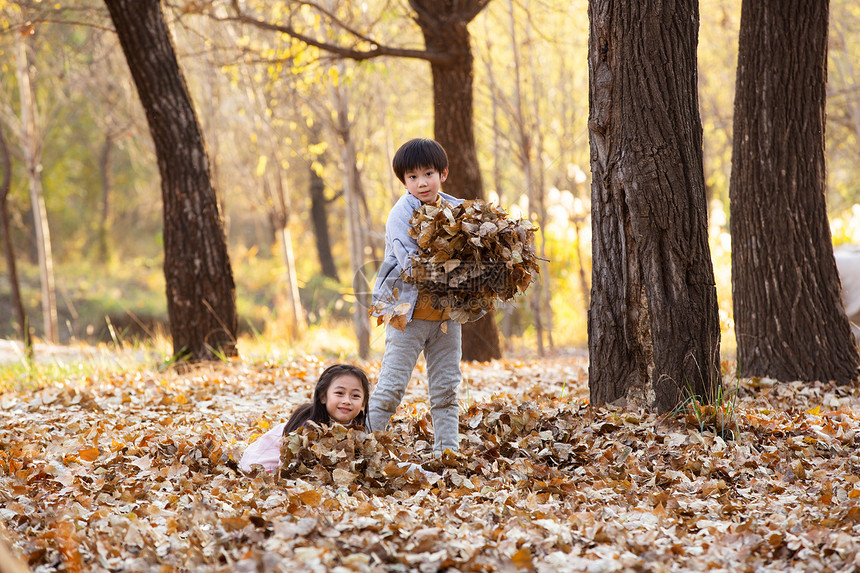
789,320
444,25
201,297
654,333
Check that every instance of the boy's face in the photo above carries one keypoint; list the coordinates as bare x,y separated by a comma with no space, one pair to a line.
423,183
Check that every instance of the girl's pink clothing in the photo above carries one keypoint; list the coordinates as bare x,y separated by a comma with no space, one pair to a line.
265,451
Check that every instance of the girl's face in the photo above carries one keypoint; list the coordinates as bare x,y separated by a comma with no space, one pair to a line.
344,399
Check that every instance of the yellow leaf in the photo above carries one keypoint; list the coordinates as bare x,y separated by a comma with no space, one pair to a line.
311,497
523,559
261,165
89,454
814,411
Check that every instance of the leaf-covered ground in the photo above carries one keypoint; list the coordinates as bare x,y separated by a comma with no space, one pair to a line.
138,473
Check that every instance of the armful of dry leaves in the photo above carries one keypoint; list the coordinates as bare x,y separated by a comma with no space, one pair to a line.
470,255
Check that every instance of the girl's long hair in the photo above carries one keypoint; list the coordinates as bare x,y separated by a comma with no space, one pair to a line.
315,411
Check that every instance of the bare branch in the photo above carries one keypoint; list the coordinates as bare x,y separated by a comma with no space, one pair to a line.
377,50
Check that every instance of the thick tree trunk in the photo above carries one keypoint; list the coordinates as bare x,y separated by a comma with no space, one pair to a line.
14,284
454,129
789,320
201,297
654,334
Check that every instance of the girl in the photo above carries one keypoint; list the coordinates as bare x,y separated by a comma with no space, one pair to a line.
340,396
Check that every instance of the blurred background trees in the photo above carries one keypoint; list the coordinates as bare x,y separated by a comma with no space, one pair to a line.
268,105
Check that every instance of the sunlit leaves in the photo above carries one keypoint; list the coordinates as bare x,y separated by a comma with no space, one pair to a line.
137,472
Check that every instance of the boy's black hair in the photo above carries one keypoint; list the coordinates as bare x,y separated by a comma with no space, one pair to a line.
316,411
417,153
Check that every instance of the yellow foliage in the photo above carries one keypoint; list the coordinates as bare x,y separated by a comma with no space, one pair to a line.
261,165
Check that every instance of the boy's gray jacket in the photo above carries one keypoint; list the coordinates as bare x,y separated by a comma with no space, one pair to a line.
399,246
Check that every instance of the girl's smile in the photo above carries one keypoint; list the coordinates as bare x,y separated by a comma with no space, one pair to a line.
344,399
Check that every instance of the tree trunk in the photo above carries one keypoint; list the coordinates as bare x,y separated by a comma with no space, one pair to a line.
201,296
789,320
30,143
319,220
104,225
361,320
297,319
524,154
279,213
653,326
14,284
454,130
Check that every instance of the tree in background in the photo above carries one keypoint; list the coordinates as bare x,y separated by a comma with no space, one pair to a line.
15,286
201,298
30,133
319,211
444,25
789,320
653,326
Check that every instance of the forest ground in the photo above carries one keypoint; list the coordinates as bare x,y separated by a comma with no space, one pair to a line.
135,470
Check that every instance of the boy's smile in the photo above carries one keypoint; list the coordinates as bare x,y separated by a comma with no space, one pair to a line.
423,183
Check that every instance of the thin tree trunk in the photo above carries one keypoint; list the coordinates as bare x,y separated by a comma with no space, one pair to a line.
319,215
14,283
201,294
33,163
104,224
319,220
790,322
291,278
654,334
279,212
844,63
361,321
537,97
524,154
507,323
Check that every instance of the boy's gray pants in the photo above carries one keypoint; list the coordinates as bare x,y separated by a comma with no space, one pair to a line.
442,350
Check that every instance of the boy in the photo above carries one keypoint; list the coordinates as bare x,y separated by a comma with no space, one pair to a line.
421,165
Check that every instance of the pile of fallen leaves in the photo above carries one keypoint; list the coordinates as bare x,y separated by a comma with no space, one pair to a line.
138,472
471,255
